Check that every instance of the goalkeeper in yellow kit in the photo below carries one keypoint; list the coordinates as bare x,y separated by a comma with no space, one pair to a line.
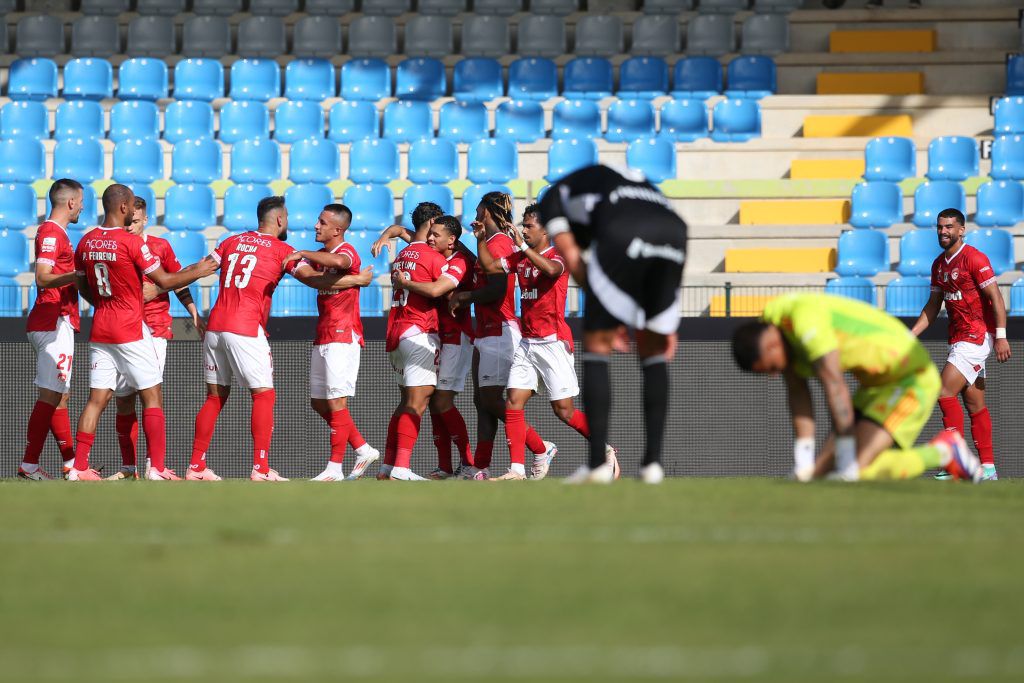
818,335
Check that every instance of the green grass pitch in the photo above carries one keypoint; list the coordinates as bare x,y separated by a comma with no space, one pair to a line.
727,579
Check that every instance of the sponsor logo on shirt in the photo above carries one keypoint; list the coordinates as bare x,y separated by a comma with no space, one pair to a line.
640,249
49,243
953,296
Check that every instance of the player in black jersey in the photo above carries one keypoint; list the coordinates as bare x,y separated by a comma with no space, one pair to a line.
625,245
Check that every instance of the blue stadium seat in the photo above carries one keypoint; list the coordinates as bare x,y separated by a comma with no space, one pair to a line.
420,78
188,245
933,196
10,298
142,78
853,287
88,78
304,239
255,79
1017,298
862,252
519,120
305,202
463,121
417,194
890,158
493,160
188,120
365,79
25,120
86,219
371,300
876,204
256,160
1009,116
906,296
629,120
141,190
81,159
177,310
697,77
566,156
643,78
362,240
309,79
32,79
408,120
471,199
995,243
314,160
242,120
196,161
196,78
293,299
1008,158
189,207
952,157
373,160
138,161
13,253
575,119
751,76
79,119
736,121
134,120
588,78
918,250
351,120
684,120
22,160
1000,203
532,78
17,206
372,37
433,161
373,206
656,157
1015,75
240,205
477,79
296,120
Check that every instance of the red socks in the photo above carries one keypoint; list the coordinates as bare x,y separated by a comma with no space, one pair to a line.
515,430
407,429
952,413
262,429
38,427
578,421
83,444
482,459
60,427
154,424
355,439
534,442
206,420
456,427
442,442
981,430
391,444
127,428
341,425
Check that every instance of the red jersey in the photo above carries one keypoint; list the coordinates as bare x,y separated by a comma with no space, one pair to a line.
250,268
113,261
961,279
419,263
339,309
490,317
53,248
157,313
542,297
459,268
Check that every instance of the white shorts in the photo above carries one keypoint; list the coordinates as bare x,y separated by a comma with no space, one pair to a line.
160,347
227,355
55,352
970,358
456,362
415,360
544,361
128,367
496,356
333,369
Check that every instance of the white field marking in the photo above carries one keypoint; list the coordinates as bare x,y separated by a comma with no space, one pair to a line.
518,662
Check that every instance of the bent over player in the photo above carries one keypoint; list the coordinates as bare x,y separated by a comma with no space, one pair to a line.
819,335
963,278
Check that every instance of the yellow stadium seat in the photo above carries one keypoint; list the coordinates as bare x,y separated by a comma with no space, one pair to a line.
826,169
838,126
794,211
739,305
781,260
917,40
871,83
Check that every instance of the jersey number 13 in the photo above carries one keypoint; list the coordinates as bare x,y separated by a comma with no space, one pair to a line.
245,264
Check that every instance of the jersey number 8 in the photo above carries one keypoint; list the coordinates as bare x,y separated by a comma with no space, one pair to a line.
247,263
102,279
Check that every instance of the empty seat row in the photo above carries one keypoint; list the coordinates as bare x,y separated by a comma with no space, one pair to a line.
949,158
879,204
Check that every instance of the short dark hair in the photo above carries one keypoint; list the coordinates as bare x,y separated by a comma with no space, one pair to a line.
340,210
424,211
746,344
266,205
140,203
451,224
533,209
955,214
115,194
60,187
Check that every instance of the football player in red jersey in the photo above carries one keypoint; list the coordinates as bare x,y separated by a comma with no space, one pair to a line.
963,279
110,263
544,356
51,328
334,358
157,316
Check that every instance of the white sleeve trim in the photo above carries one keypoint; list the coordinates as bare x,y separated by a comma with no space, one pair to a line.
153,267
452,278
215,256
46,262
504,264
987,282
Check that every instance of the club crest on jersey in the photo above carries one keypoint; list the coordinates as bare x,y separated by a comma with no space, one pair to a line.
955,274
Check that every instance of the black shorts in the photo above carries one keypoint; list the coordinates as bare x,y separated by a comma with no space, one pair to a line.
634,274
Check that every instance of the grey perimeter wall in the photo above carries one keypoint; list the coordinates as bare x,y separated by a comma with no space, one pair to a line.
721,422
